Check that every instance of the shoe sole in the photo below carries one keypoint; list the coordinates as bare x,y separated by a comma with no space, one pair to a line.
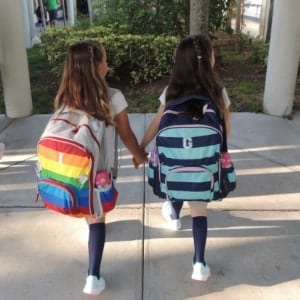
175,228
94,293
203,278
88,291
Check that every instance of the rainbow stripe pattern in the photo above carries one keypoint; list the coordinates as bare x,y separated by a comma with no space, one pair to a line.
66,176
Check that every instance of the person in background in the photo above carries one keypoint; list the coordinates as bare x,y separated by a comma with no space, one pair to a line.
52,7
39,16
83,86
193,73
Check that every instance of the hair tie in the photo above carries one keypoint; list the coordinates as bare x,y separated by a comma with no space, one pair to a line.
197,47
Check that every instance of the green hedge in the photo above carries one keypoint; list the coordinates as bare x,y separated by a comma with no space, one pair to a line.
135,58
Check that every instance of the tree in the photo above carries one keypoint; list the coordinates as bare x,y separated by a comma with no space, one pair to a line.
199,12
239,21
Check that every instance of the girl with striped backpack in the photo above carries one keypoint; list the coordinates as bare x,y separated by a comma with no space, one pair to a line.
190,143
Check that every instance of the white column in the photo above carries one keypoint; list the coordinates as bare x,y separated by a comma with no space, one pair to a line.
32,26
283,58
25,22
13,64
264,18
28,22
71,15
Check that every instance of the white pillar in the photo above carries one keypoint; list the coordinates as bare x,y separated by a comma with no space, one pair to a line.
32,25
25,22
13,64
264,18
283,58
71,12
28,22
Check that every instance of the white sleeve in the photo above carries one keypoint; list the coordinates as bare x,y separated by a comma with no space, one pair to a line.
162,97
118,104
226,98
118,101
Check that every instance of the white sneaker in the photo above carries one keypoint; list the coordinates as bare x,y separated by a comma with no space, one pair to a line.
167,211
93,285
200,271
175,224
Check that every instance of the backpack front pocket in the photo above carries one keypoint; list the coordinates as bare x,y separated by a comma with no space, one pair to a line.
55,196
189,183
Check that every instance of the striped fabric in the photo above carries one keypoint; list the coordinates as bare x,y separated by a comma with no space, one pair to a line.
190,161
186,161
65,176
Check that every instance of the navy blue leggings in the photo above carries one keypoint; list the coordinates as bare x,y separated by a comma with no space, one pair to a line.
200,236
177,205
96,246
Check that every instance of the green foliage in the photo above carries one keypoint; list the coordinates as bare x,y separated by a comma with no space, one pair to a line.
219,16
142,100
144,17
259,53
247,87
243,80
137,58
159,16
43,83
245,95
243,71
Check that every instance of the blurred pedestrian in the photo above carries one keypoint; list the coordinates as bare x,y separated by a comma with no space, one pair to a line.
52,8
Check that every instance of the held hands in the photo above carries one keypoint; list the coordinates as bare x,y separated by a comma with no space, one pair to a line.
140,158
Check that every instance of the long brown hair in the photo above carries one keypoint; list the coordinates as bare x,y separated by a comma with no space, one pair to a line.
82,87
194,72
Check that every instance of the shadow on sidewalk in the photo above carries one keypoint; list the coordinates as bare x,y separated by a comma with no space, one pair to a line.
254,249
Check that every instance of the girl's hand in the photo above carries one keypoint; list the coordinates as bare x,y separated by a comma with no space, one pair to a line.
139,159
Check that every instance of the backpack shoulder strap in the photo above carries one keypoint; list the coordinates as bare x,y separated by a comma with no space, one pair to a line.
181,100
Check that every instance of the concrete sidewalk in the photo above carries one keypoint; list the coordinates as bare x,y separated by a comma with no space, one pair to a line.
253,238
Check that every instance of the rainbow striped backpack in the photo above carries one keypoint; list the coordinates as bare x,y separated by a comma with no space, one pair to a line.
69,153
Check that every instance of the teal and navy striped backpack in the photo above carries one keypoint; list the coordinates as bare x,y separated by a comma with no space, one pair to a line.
186,162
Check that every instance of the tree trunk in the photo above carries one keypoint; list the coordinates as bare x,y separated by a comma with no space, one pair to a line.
238,24
199,10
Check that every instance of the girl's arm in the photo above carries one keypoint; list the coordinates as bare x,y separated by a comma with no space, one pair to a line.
129,138
226,111
152,128
227,121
